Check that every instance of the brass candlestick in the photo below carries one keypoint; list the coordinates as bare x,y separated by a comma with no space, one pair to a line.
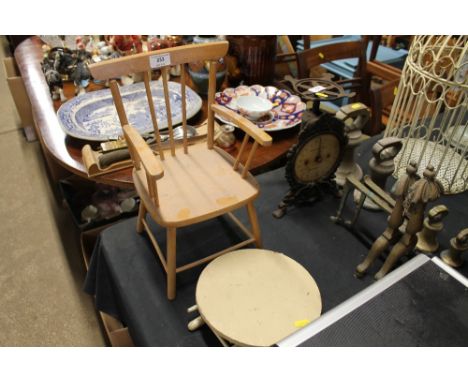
427,238
391,233
458,245
423,191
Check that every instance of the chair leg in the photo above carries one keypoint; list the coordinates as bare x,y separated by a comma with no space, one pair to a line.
254,224
141,216
171,262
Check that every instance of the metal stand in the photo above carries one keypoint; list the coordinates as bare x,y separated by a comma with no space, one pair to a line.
306,194
381,167
359,114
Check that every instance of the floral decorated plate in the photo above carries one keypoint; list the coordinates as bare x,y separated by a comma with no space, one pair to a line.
92,116
287,108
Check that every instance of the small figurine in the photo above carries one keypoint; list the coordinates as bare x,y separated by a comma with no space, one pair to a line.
164,42
458,245
63,61
103,51
126,44
427,238
391,233
54,80
156,43
81,74
225,138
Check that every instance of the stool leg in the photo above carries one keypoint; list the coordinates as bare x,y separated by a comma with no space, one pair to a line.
195,324
171,262
254,223
141,217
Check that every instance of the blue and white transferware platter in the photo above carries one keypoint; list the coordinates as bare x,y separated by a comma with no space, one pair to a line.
287,108
93,117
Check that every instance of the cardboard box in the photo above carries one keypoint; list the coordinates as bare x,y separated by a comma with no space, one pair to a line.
117,334
18,92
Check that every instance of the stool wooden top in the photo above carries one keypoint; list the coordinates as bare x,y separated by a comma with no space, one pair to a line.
256,297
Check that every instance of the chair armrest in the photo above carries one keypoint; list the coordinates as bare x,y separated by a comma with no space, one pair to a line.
139,148
383,71
286,57
260,136
151,163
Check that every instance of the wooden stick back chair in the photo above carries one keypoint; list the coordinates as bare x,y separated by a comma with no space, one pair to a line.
381,97
313,57
185,184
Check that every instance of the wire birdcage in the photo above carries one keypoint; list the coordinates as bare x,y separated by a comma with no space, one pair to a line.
429,111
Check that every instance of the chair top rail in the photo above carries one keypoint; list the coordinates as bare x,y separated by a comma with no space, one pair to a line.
142,62
307,59
334,51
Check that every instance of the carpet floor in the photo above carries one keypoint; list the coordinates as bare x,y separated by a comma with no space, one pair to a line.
41,270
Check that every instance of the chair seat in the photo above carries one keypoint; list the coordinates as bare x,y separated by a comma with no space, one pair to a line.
196,186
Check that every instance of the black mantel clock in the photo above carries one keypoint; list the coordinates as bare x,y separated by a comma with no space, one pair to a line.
312,162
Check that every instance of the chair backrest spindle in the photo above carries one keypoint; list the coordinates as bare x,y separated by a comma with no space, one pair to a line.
241,151
163,60
152,189
249,159
114,87
184,106
211,97
149,96
167,100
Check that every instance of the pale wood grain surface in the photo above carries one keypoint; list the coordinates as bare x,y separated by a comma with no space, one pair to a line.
196,186
140,63
254,297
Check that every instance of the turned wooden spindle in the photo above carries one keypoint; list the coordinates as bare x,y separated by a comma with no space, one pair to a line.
423,191
458,244
427,238
391,233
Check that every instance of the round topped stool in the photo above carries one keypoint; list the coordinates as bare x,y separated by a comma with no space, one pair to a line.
256,297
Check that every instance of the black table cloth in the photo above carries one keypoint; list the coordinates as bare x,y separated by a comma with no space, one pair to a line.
129,283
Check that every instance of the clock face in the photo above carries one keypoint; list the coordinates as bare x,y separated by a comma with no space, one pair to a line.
317,158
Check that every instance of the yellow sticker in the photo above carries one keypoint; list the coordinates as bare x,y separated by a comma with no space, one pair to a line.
356,106
321,95
301,323
395,91
321,55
